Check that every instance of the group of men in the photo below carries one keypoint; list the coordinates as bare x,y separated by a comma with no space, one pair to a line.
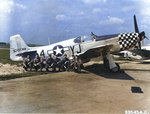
53,62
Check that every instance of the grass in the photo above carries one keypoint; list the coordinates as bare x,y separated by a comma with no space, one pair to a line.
5,59
21,75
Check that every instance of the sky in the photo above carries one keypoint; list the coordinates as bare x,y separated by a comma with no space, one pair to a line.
58,20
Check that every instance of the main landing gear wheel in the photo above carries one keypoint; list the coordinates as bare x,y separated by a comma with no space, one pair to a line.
115,69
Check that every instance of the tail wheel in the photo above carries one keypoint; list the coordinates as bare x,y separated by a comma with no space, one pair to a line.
115,69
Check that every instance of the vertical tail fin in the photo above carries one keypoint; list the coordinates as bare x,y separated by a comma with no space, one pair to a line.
17,46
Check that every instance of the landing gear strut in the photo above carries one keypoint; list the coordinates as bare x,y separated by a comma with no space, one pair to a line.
106,62
109,63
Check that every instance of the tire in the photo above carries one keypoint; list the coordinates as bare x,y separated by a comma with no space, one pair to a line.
116,69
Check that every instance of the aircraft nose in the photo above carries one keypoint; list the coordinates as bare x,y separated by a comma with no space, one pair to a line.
142,36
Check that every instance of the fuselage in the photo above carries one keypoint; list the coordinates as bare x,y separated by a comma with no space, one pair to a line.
84,46
78,46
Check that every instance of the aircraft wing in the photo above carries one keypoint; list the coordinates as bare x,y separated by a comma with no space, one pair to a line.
95,51
145,54
134,53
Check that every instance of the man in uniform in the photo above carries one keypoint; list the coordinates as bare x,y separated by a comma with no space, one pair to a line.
43,62
64,63
71,63
56,63
49,62
37,62
77,64
27,63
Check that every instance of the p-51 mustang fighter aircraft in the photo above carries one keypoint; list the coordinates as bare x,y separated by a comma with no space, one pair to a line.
85,47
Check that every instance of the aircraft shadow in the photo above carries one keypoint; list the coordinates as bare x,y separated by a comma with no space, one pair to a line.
100,70
144,63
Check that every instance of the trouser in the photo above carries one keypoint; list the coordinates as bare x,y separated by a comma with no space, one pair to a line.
26,66
37,66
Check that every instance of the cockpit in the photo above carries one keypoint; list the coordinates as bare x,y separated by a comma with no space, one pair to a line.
81,39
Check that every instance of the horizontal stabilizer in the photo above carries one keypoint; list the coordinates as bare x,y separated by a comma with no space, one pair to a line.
31,53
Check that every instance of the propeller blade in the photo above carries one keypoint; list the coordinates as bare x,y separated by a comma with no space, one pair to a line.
141,36
135,25
146,38
139,45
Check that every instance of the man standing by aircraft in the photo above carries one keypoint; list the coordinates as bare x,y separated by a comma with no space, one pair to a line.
77,63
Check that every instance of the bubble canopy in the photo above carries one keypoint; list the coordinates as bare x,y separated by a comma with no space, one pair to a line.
84,38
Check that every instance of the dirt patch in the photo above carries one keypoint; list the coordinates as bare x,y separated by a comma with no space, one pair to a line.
6,69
